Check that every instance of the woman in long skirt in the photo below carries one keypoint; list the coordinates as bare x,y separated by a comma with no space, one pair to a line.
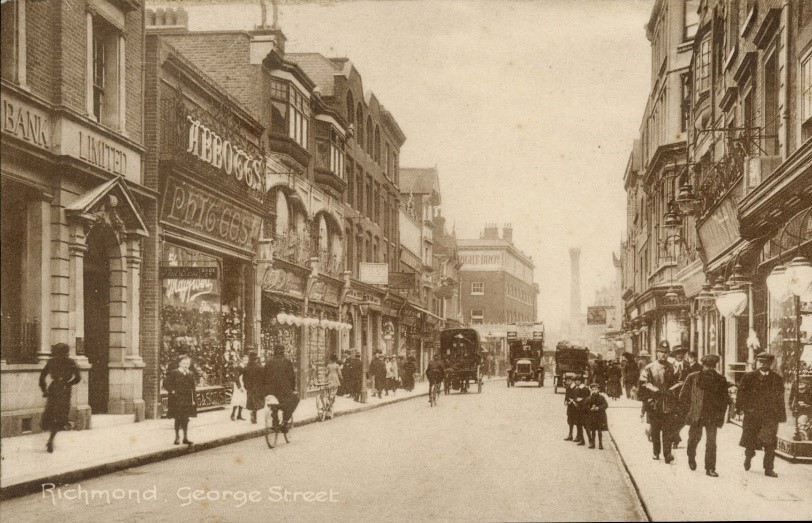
333,375
238,395
180,384
64,374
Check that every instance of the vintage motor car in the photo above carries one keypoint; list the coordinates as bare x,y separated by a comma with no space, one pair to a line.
525,362
570,360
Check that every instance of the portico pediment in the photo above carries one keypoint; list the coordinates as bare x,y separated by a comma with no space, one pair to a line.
113,203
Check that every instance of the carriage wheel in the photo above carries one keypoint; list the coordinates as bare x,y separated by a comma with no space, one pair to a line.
270,434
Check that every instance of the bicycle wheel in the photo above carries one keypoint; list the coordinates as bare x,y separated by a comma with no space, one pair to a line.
321,407
270,433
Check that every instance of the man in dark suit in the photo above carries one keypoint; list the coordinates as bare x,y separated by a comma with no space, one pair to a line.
761,398
579,396
704,400
656,381
692,362
280,381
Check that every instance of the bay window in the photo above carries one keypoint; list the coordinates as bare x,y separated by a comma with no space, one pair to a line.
290,112
702,67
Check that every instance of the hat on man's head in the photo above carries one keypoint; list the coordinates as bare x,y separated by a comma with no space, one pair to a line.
664,346
766,356
710,359
279,350
678,351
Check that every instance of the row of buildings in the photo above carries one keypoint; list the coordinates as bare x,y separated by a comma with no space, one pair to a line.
719,188
168,191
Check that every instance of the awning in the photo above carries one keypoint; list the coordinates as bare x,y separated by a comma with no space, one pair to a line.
415,307
282,301
739,248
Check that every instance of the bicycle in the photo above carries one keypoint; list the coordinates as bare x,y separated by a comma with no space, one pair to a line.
434,393
325,401
272,429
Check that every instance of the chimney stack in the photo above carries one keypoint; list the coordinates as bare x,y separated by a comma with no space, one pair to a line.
491,232
507,233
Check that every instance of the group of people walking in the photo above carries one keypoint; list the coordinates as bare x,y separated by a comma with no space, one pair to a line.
696,395
683,392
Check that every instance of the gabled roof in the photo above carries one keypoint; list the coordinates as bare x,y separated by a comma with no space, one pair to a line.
419,180
319,68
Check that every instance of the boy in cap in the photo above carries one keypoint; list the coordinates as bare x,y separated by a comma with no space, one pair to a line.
579,396
704,399
761,398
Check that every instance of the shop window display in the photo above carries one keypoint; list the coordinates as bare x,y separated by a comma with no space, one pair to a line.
194,319
791,357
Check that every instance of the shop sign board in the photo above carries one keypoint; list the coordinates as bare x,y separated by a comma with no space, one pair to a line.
402,280
596,315
280,280
189,273
324,292
374,273
209,215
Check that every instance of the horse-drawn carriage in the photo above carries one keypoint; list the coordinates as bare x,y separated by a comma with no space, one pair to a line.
570,360
462,359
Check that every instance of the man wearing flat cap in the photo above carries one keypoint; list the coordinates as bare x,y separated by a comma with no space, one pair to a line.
659,402
704,400
761,398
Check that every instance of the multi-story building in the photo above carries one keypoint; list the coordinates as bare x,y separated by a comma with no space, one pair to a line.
289,290
73,204
371,199
745,191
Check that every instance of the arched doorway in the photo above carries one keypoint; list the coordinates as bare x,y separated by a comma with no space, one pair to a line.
97,318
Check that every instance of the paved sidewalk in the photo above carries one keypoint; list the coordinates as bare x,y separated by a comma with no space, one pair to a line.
89,453
674,492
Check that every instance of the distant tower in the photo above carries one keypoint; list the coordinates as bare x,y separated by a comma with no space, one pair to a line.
575,286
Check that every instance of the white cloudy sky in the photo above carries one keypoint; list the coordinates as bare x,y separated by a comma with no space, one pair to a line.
528,108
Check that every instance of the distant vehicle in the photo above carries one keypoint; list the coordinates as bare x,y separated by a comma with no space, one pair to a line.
570,360
525,362
462,358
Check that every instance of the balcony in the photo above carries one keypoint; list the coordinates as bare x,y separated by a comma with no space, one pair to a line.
292,247
328,180
330,264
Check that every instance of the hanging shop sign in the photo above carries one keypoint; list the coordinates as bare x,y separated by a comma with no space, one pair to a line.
209,147
720,230
324,292
280,280
209,215
596,315
374,273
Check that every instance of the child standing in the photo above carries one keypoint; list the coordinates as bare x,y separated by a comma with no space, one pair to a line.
596,406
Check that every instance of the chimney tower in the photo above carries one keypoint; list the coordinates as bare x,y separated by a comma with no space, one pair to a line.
575,286
507,233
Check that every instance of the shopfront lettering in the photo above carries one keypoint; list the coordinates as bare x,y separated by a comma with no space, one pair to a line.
186,291
282,281
102,154
210,215
221,154
26,123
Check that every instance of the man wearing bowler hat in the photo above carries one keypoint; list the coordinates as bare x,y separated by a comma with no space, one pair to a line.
656,381
704,400
761,398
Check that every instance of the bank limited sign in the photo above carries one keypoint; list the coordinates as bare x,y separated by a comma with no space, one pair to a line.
26,122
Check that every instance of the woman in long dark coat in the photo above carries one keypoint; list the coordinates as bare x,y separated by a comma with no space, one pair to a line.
409,368
64,374
254,380
180,384
613,386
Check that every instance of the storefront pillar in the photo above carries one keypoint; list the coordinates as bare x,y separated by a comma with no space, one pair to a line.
77,247
36,282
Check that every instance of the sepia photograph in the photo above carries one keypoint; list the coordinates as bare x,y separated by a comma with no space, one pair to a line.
406,260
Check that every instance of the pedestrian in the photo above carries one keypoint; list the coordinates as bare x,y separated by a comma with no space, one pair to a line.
599,372
595,408
409,369
253,380
704,400
238,394
579,396
351,372
631,375
180,384
660,406
569,401
279,379
341,361
390,375
692,360
357,383
64,373
401,363
377,371
761,398
334,376
614,388
682,370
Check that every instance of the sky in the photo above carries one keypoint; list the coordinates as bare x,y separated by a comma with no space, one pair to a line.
528,108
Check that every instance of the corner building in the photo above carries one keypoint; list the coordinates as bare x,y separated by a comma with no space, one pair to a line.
75,208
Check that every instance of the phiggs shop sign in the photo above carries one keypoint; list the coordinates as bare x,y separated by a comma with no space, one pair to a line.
224,156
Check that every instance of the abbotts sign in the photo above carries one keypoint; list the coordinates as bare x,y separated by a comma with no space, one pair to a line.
221,154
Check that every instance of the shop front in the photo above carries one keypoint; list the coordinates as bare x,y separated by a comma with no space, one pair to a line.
211,214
